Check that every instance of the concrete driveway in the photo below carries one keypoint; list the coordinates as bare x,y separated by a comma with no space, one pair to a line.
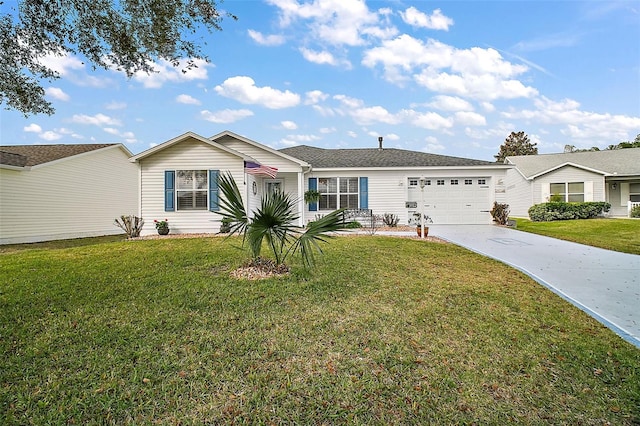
603,283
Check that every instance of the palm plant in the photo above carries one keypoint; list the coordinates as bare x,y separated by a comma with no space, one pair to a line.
273,222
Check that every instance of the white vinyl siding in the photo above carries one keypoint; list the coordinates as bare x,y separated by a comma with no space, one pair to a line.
388,189
569,174
75,197
189,154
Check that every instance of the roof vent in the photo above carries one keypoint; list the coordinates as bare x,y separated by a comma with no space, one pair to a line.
379,143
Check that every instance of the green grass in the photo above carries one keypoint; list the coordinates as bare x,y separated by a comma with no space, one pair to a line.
613,234
387,331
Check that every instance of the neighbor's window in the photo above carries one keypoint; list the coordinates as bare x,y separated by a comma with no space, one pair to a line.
338,193
568,191
192,187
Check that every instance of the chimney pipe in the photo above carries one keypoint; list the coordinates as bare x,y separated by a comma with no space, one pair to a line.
380,143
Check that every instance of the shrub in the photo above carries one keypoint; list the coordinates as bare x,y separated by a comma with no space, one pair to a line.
547,212
500,213
635,211
353,225
390,219
225,227
131,225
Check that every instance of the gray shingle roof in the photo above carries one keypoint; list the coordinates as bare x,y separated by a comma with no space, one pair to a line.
320,158
622,162
32,155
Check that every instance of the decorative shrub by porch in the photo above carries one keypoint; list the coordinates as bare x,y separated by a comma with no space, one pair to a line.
547,212
635,211
500,213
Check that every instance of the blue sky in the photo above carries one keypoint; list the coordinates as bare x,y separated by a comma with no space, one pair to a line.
451,78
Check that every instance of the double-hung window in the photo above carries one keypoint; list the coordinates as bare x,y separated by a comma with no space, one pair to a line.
569,191
192,188
338,193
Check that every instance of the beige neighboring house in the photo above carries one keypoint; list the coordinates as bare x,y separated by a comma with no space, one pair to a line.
611,175
178,181
51,192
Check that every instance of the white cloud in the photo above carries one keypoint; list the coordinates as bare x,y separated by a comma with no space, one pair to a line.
244,90
471,73
269,40
435,21
50,135
128,137
468,118
450,103
186,99
62,64
57,93
111,130
33,128
98,120
289,125
327,130
226,115
428,120
302,138
595,128
314,97
392,137
116,105
352,134
323,57
334,22
375,114
166,72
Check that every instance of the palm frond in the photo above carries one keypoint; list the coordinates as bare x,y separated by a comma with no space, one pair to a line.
317,232
231,204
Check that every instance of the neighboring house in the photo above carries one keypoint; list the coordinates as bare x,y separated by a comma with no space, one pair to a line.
178,181
611,175
50,192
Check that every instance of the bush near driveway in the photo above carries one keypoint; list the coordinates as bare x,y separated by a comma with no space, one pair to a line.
559,210
383,331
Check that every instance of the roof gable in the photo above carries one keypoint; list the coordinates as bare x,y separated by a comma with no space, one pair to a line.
374,157
619,162
38,155
184,137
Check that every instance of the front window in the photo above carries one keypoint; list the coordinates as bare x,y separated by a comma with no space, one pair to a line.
571,192
338,193
192,187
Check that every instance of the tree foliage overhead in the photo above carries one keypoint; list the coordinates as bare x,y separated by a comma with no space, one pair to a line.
516,144
621,145
126,35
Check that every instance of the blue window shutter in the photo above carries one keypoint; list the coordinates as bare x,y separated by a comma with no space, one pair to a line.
364,193
213,191
313,184
169,190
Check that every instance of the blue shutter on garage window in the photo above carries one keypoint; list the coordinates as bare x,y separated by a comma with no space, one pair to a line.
169,190
364,193
213,191
313,184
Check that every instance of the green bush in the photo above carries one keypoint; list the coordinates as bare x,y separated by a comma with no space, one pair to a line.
353,225
546,212
635,211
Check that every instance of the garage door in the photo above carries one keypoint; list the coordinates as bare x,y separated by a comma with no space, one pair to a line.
453,200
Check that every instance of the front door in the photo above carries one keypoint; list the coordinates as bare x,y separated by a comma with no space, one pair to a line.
273,185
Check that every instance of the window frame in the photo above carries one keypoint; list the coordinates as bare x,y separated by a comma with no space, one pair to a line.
566,194
333,200
194,190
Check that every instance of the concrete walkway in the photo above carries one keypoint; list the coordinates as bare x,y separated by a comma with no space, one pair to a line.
603,283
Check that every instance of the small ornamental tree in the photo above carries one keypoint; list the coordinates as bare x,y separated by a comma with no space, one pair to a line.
516,144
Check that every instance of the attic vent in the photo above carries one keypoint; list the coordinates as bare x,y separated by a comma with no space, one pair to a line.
379,143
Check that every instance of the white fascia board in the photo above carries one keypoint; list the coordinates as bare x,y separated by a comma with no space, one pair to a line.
405,169
559,166
16,168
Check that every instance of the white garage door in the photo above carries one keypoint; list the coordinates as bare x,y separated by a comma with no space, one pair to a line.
454,200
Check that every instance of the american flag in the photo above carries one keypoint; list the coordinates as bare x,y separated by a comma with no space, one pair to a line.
259,169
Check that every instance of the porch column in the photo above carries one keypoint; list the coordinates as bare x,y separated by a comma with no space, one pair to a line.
301,220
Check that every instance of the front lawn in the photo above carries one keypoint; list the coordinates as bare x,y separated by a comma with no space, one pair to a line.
613,234
387,331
